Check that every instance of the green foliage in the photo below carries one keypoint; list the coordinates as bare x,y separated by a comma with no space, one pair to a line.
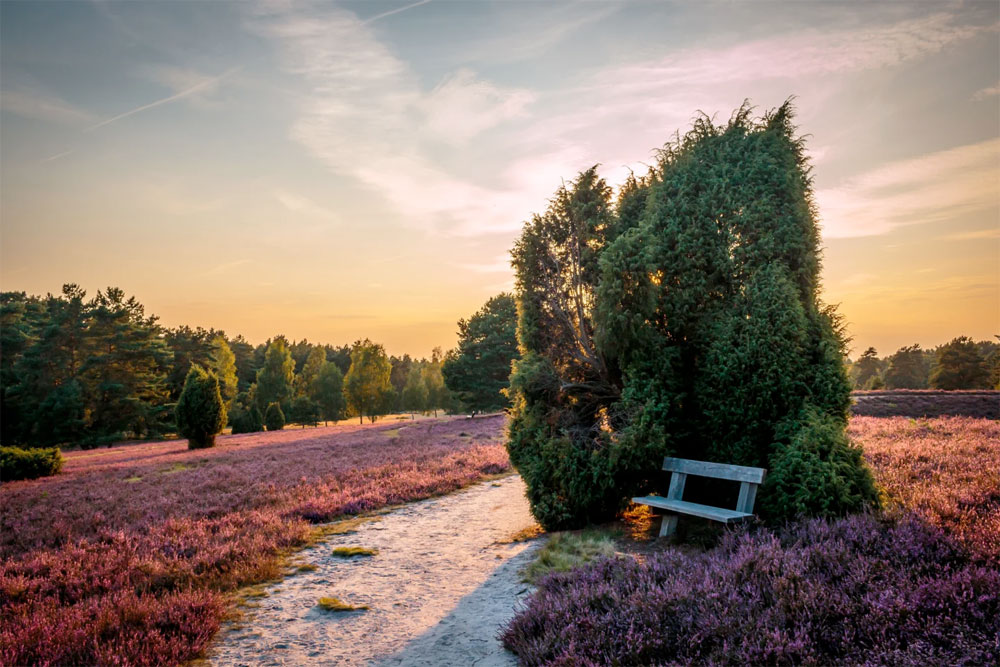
200,411
17,463
327,390
907,369
367,382
304,411
274,418
479,371
815,471
866,369
247,419
683,321
415,390
568,551
960,365
276,375
222,364
310,371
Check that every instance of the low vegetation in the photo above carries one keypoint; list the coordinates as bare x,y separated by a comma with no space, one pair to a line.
566,551
17,463
350,552
917,584
97,569
336,604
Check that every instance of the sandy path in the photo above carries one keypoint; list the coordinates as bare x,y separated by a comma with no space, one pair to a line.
438,590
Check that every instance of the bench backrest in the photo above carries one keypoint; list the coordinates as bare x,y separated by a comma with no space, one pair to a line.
716,470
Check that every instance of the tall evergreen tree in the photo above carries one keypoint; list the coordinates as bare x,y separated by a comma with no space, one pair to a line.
276,375
907,369
866,369
126,372
479,371
693,329
415,390
959,365
367,381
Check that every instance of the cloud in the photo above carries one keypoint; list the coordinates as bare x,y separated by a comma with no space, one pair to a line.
794,55
500,265
299,204
462,106
202,85
974,236
931,188
38,105
396,11
987,93
364,114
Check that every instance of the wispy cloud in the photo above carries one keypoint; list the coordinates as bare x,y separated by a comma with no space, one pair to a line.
932,188
298,204
364,114
986,93
225,267
205,84
974,236
500,265
38,105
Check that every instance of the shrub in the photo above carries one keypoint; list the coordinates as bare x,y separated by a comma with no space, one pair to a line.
247,420
200,412
304,411
847,591
693,329
17,463
274,418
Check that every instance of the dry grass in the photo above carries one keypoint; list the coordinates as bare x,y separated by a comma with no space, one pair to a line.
350,552
524,535
336,604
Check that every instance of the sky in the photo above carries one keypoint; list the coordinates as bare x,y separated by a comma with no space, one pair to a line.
335,171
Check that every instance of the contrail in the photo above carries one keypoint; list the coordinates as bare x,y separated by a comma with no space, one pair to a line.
166,100
395,11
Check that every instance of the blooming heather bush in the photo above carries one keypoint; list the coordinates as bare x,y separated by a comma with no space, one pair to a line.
918,586
946,469
849,591
111,562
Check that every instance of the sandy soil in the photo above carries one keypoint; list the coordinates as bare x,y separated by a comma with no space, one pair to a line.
440,587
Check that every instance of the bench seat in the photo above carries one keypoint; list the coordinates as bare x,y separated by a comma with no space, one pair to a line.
719,514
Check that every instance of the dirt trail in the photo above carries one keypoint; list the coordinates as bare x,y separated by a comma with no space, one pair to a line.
438,590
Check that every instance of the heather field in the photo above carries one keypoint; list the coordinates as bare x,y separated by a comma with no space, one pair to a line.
916,585
128,555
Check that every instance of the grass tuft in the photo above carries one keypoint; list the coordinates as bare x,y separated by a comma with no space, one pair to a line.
336,604
307,567
348,552
524,535
566,551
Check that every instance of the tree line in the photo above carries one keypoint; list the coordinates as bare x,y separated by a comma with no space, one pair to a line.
961,363
94,371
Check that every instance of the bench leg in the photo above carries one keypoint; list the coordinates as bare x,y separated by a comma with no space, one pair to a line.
668,525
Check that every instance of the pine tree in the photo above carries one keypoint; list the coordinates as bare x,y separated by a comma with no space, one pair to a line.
479,370
276,375
866,368
200,411
960,365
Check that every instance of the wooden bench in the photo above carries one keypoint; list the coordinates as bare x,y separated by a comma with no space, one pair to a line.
749,478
